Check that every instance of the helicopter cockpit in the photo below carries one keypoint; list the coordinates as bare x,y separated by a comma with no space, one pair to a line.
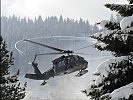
63,63
59,64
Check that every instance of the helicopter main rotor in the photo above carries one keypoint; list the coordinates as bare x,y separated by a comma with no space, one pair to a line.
60,51
50,47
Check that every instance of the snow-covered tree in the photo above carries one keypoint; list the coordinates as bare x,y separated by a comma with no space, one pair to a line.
114,79
10,88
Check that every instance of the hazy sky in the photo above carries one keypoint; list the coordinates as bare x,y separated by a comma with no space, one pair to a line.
93,10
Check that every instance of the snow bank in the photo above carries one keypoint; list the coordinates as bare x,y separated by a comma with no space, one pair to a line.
126,22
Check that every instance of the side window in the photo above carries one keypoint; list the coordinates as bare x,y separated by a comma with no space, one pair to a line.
76,57
72,59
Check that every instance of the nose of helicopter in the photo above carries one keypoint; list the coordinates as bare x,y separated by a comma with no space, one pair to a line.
85,64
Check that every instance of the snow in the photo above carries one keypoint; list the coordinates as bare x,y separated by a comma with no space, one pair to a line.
105,95
102,44
89,87
103,34
123,92
126,22
103,68
126,25
103,23
127,30
99,80
115,33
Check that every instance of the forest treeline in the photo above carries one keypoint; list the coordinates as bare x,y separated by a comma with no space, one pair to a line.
25,27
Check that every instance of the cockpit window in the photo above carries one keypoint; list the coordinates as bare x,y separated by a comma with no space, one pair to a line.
61,63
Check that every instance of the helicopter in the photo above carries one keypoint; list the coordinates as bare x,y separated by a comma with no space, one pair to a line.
65,64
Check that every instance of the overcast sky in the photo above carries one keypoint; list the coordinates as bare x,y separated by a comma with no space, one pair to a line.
93,10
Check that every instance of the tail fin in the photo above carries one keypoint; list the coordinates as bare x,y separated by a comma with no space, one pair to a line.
36,70
37,75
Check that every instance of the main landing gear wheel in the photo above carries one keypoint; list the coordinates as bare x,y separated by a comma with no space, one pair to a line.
44,83
82,72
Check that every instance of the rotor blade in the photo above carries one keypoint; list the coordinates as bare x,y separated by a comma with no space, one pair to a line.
45,45
50,53
84,53
30,63
88,46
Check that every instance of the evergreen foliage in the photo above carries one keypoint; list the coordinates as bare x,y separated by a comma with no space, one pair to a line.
9,86
119,42
123,10
130,1
112,25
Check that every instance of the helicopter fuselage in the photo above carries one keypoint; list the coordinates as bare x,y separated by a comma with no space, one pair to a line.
62,65
69,64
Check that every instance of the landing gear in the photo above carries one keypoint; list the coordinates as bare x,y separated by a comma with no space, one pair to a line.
81,72
44,82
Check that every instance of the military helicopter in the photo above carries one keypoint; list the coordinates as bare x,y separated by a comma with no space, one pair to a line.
66,64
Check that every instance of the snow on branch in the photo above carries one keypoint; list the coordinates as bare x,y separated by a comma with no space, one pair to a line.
103,23
110,25
123,92
126,22
122,9
103,69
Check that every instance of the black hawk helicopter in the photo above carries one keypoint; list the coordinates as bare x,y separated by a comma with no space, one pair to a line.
65,64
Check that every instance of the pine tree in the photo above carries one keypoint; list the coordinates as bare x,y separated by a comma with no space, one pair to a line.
117,40
9,86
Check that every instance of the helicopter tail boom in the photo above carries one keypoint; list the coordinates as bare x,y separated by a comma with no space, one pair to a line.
37,75
34,76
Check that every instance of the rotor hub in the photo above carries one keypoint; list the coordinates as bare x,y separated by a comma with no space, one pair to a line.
68,51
